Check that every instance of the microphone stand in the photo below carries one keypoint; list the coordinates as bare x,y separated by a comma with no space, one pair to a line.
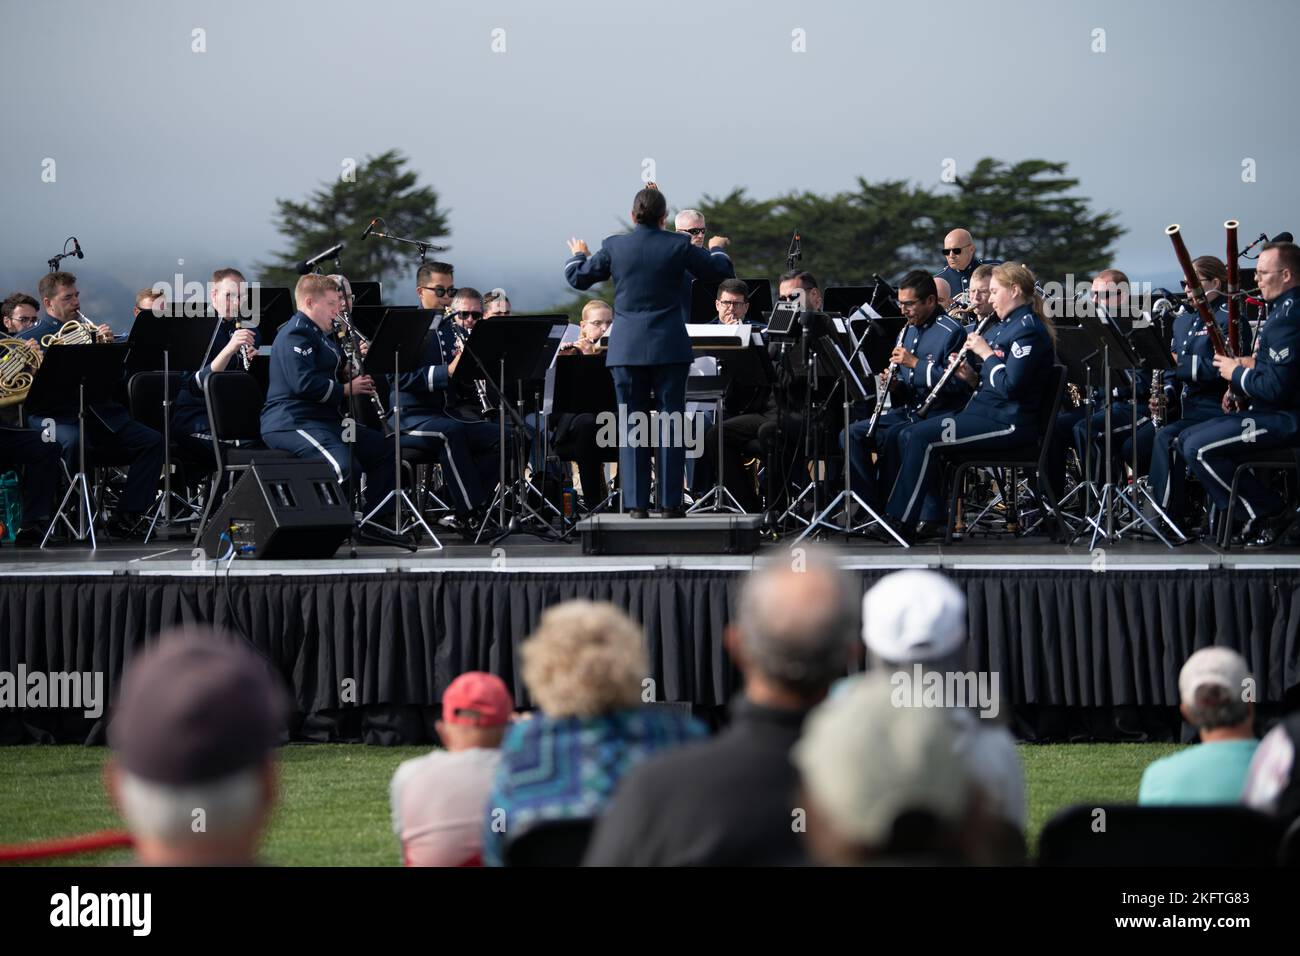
423,247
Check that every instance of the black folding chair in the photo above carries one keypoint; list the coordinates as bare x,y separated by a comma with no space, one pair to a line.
1285,459
1130,835
1031,456
234,401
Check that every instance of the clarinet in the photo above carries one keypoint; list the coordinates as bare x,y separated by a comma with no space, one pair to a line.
480,386
953,366
889,380
344,332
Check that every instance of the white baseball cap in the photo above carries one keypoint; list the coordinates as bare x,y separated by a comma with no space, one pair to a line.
1220,666
866,761
913,615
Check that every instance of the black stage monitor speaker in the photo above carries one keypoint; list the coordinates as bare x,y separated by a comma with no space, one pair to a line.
282,509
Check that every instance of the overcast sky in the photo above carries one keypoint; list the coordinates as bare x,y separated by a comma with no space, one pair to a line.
163,153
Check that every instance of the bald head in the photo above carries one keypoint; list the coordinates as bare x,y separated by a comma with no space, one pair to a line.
944,291
961,241
795,625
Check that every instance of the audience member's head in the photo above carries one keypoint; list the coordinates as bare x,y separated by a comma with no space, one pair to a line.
1212,688
914,616
583,660
194,733
793,634
476,709
882,783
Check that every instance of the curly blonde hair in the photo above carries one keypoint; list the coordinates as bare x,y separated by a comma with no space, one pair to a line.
584,659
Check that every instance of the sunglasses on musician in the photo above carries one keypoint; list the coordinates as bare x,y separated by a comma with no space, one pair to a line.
467,315
439,290
698,231
955,252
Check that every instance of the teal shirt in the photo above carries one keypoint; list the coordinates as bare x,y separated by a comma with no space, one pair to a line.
1201,774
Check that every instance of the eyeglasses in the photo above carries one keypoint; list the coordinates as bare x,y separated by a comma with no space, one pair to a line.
909,303
734,303
955,251
698,231
1268,272
467,315
438,290
791,297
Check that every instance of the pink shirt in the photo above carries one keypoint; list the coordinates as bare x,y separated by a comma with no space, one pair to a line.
439,805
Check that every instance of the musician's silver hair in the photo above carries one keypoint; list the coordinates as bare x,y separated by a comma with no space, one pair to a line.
688,214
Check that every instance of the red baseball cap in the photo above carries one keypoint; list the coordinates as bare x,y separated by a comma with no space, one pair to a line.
477,699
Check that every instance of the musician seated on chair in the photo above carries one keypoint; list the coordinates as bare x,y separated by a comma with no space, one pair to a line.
1018,354
919,359
495,302
438,417
306,404
1268,384
111,432
1110,293
225,295
39,461
765,424
146,299
959,254
435,284
1194,388
575,433
20,312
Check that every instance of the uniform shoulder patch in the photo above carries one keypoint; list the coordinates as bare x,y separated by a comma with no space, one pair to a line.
303,351
1020,351
1280,355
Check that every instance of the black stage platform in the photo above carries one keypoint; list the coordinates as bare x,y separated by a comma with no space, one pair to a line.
1087,645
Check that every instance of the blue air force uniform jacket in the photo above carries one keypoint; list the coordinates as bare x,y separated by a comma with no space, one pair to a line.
1273,385
931,343
960,281
304,386
428,389
114,415
647,265
1013,377
1201,385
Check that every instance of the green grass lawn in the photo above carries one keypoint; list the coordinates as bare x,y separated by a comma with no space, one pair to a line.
334,798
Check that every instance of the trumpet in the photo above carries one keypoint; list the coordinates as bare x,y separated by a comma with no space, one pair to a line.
78,331
19,360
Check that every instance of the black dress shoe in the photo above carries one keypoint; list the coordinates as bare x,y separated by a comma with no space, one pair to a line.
28,537
639,513
881,533
677,512
1269,532
125,526
926,531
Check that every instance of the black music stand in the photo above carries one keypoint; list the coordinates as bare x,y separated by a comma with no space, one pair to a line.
155,341
398,343
583,385
746,365
1154,355
813,328
846,299
272,309
512,348
90,373
1078,352
855,389
1116,355
367,294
